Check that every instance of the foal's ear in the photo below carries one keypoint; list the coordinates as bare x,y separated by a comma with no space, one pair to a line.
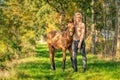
69,21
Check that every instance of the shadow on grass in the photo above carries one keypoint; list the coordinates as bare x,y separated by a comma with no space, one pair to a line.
33,70
43,53
107,66
40,70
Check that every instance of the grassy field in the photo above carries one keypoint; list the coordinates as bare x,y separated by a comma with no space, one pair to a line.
38,68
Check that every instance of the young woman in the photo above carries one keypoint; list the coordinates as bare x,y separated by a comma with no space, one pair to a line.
78,41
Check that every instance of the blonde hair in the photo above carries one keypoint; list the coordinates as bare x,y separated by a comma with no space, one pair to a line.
77,13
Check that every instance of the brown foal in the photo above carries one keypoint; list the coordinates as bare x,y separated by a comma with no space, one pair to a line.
60,40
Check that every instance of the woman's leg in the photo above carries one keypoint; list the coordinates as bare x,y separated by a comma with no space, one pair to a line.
84,58
74,56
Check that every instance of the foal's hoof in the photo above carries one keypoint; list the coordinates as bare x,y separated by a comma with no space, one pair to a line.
84,69
53,68
63,70
75,70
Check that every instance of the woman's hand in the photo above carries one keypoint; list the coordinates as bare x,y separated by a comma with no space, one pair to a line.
79,45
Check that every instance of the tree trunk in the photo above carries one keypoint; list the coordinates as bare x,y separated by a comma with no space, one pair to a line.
93,30
118,29
85,21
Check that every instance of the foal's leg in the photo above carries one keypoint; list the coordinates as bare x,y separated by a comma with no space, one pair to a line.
52,51
70,51
64,59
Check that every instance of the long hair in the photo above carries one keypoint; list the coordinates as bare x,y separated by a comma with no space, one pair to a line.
78,13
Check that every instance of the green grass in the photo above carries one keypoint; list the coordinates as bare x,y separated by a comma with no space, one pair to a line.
38,68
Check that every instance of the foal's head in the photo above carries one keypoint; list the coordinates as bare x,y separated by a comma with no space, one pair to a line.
70,28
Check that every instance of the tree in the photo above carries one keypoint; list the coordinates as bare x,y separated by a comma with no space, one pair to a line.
117,29
93,28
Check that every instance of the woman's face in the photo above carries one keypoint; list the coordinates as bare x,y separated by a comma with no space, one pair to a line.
78,18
